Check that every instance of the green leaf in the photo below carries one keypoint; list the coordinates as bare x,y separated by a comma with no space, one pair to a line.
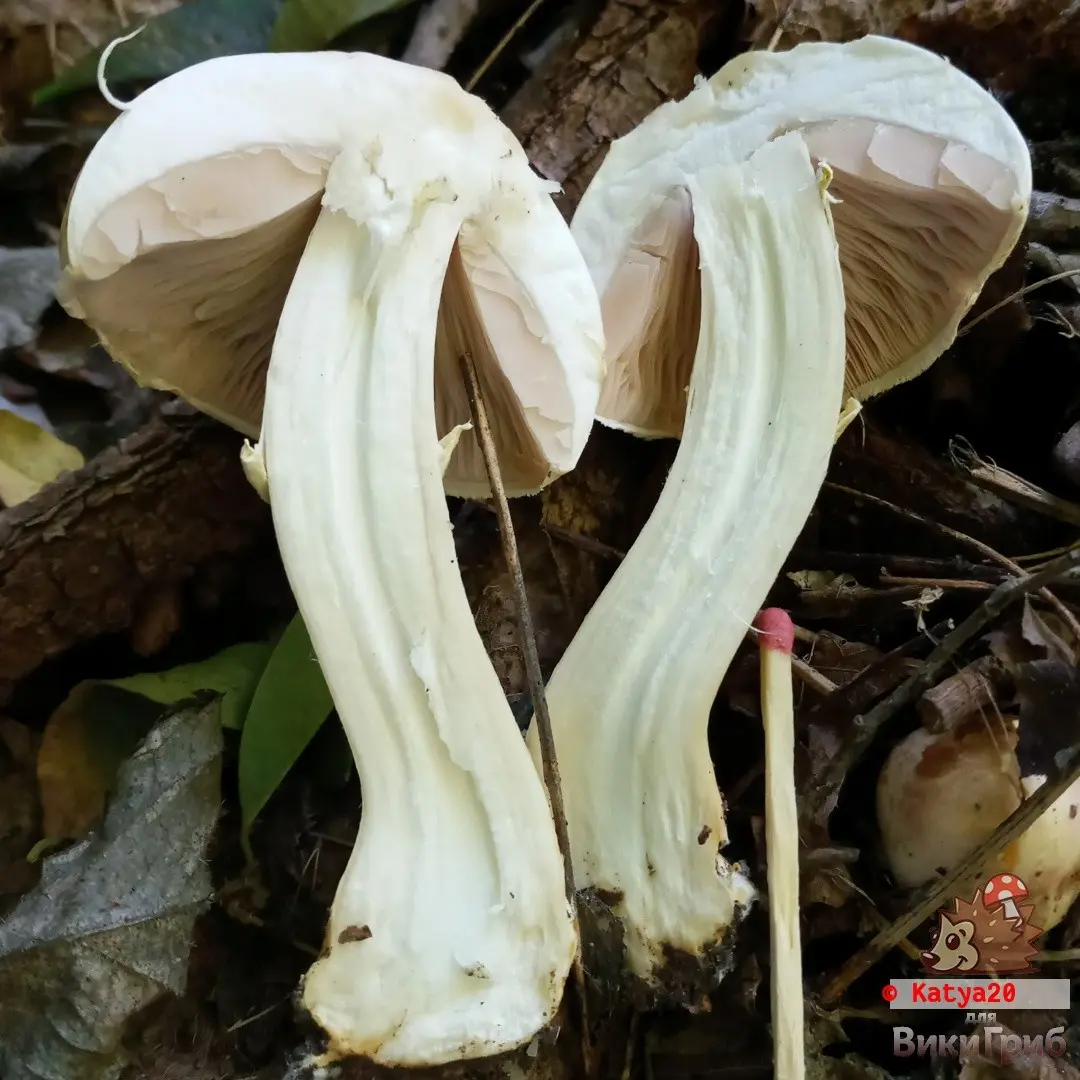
304,25
234,673
189,34
291,703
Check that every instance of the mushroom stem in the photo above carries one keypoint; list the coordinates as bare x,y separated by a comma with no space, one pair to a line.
449,937
782,842
630,699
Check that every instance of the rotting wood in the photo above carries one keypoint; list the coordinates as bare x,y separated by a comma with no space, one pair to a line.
82,557
602,83
968,691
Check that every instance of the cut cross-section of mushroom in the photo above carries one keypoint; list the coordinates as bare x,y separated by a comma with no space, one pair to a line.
630,698
930,180
338,229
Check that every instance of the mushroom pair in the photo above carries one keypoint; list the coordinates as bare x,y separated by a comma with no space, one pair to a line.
341,229
304,246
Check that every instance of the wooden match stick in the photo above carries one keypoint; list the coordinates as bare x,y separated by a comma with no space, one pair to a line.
776,638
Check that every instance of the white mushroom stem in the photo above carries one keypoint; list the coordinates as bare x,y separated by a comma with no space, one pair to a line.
450,935
777,637
630,698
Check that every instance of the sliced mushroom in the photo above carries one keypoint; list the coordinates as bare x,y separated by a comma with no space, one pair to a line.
305,245
630,698
729,344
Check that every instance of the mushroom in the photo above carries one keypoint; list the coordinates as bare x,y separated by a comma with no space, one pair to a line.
940,794
710,339
306,245
1004,890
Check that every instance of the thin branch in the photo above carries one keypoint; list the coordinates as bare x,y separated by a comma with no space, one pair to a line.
962,538
552,779
1015,296
1015,825
505,40
865,727
535,678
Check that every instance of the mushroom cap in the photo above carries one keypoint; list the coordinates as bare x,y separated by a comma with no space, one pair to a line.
940,795
190,215
932,176
1002,887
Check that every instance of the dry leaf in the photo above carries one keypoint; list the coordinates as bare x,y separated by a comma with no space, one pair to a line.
85,741
108,930
30,458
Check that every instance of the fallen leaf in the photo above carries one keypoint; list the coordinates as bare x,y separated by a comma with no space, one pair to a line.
922,604
823,582
840,660
290,704
86,741
305,25
1043,632
100,723
27,279
20,814
1049,696
197,31
108,929
30,458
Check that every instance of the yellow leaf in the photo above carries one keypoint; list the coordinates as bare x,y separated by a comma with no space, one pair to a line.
30,458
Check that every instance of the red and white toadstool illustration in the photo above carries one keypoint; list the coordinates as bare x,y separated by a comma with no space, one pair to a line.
1004,890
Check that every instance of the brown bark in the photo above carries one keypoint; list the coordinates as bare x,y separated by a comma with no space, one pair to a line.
635,56
87,554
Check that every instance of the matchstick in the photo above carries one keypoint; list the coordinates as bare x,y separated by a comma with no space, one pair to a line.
776,637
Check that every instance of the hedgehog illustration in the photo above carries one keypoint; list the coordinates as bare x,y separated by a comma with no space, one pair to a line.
974,937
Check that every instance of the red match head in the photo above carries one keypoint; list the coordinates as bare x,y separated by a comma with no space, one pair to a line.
775,629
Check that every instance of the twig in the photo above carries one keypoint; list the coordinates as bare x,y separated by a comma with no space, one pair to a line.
865,727
533,674
811,677
1014,826
936,583
586,543
505,40
1014,296
855,562
1009,486
535,677
961,538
